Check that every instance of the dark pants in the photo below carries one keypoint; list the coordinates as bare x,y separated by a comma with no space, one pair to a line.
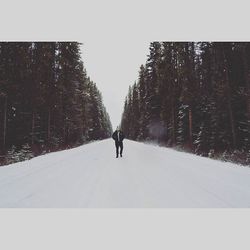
117,145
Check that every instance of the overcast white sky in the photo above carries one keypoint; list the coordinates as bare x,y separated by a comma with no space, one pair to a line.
113,65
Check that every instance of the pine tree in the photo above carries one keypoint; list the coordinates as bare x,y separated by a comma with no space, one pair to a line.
197,94
45,96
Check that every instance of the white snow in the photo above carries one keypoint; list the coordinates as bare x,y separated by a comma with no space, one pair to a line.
147,176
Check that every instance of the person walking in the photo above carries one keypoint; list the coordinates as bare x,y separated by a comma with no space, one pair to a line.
118,137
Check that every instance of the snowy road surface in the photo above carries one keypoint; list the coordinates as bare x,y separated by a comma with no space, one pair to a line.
147,176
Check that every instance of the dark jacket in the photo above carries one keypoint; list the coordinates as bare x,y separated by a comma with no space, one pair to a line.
115,136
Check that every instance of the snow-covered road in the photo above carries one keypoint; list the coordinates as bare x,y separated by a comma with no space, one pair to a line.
147,176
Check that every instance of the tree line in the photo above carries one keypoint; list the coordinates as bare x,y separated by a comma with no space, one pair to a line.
47,101
194,96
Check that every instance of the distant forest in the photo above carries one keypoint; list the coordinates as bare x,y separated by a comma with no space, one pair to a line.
194,96
47,101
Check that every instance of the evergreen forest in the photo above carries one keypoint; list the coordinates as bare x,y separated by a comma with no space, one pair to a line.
195,97
47,101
